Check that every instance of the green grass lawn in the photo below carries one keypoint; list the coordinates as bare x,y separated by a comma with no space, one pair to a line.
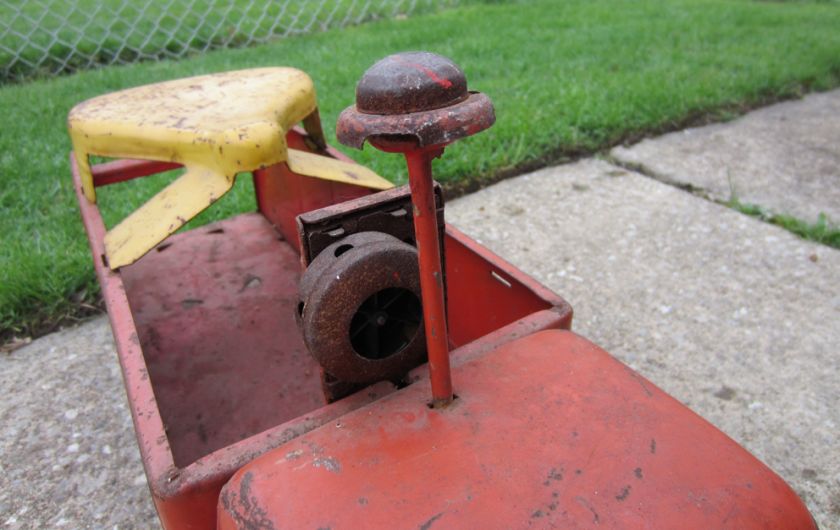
567,77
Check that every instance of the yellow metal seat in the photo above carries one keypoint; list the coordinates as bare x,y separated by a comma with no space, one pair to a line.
215,126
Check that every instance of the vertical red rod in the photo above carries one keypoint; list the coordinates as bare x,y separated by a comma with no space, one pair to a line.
431,276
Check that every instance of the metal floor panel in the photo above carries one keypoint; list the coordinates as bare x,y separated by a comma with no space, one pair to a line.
214,309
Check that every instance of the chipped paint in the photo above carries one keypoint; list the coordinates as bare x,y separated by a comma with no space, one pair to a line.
294,455
329,463
624,493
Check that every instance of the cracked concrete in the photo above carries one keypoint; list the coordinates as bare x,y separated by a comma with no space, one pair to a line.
784,158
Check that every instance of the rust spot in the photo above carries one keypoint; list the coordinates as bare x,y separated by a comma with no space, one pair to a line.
294,455
625,492
428,524
251,281
188,303
329,463
554,475
243,508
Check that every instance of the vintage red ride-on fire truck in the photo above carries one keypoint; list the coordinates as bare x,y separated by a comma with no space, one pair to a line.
343,358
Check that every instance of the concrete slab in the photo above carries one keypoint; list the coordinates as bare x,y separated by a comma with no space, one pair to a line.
737,318
785,157
68,458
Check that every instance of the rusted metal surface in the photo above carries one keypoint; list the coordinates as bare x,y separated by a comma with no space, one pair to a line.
416,103
212,322
418,95
360,311
388,212
431,273
410,82
186,490
549,431
148,426
186,496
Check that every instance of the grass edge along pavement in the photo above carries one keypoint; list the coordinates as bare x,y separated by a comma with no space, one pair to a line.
825,230
567,78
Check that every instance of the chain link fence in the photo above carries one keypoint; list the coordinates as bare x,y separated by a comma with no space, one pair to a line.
48,37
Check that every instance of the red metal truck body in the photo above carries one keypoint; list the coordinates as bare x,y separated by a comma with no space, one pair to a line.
237,424
214,365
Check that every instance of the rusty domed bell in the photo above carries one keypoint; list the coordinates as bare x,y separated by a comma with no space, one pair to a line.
414,94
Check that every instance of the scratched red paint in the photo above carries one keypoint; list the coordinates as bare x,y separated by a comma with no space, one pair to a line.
548,431
445,83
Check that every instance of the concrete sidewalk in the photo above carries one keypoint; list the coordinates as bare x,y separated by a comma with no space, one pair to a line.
784,158
738,319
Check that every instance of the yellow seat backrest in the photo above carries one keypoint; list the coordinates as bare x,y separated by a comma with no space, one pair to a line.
215,125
